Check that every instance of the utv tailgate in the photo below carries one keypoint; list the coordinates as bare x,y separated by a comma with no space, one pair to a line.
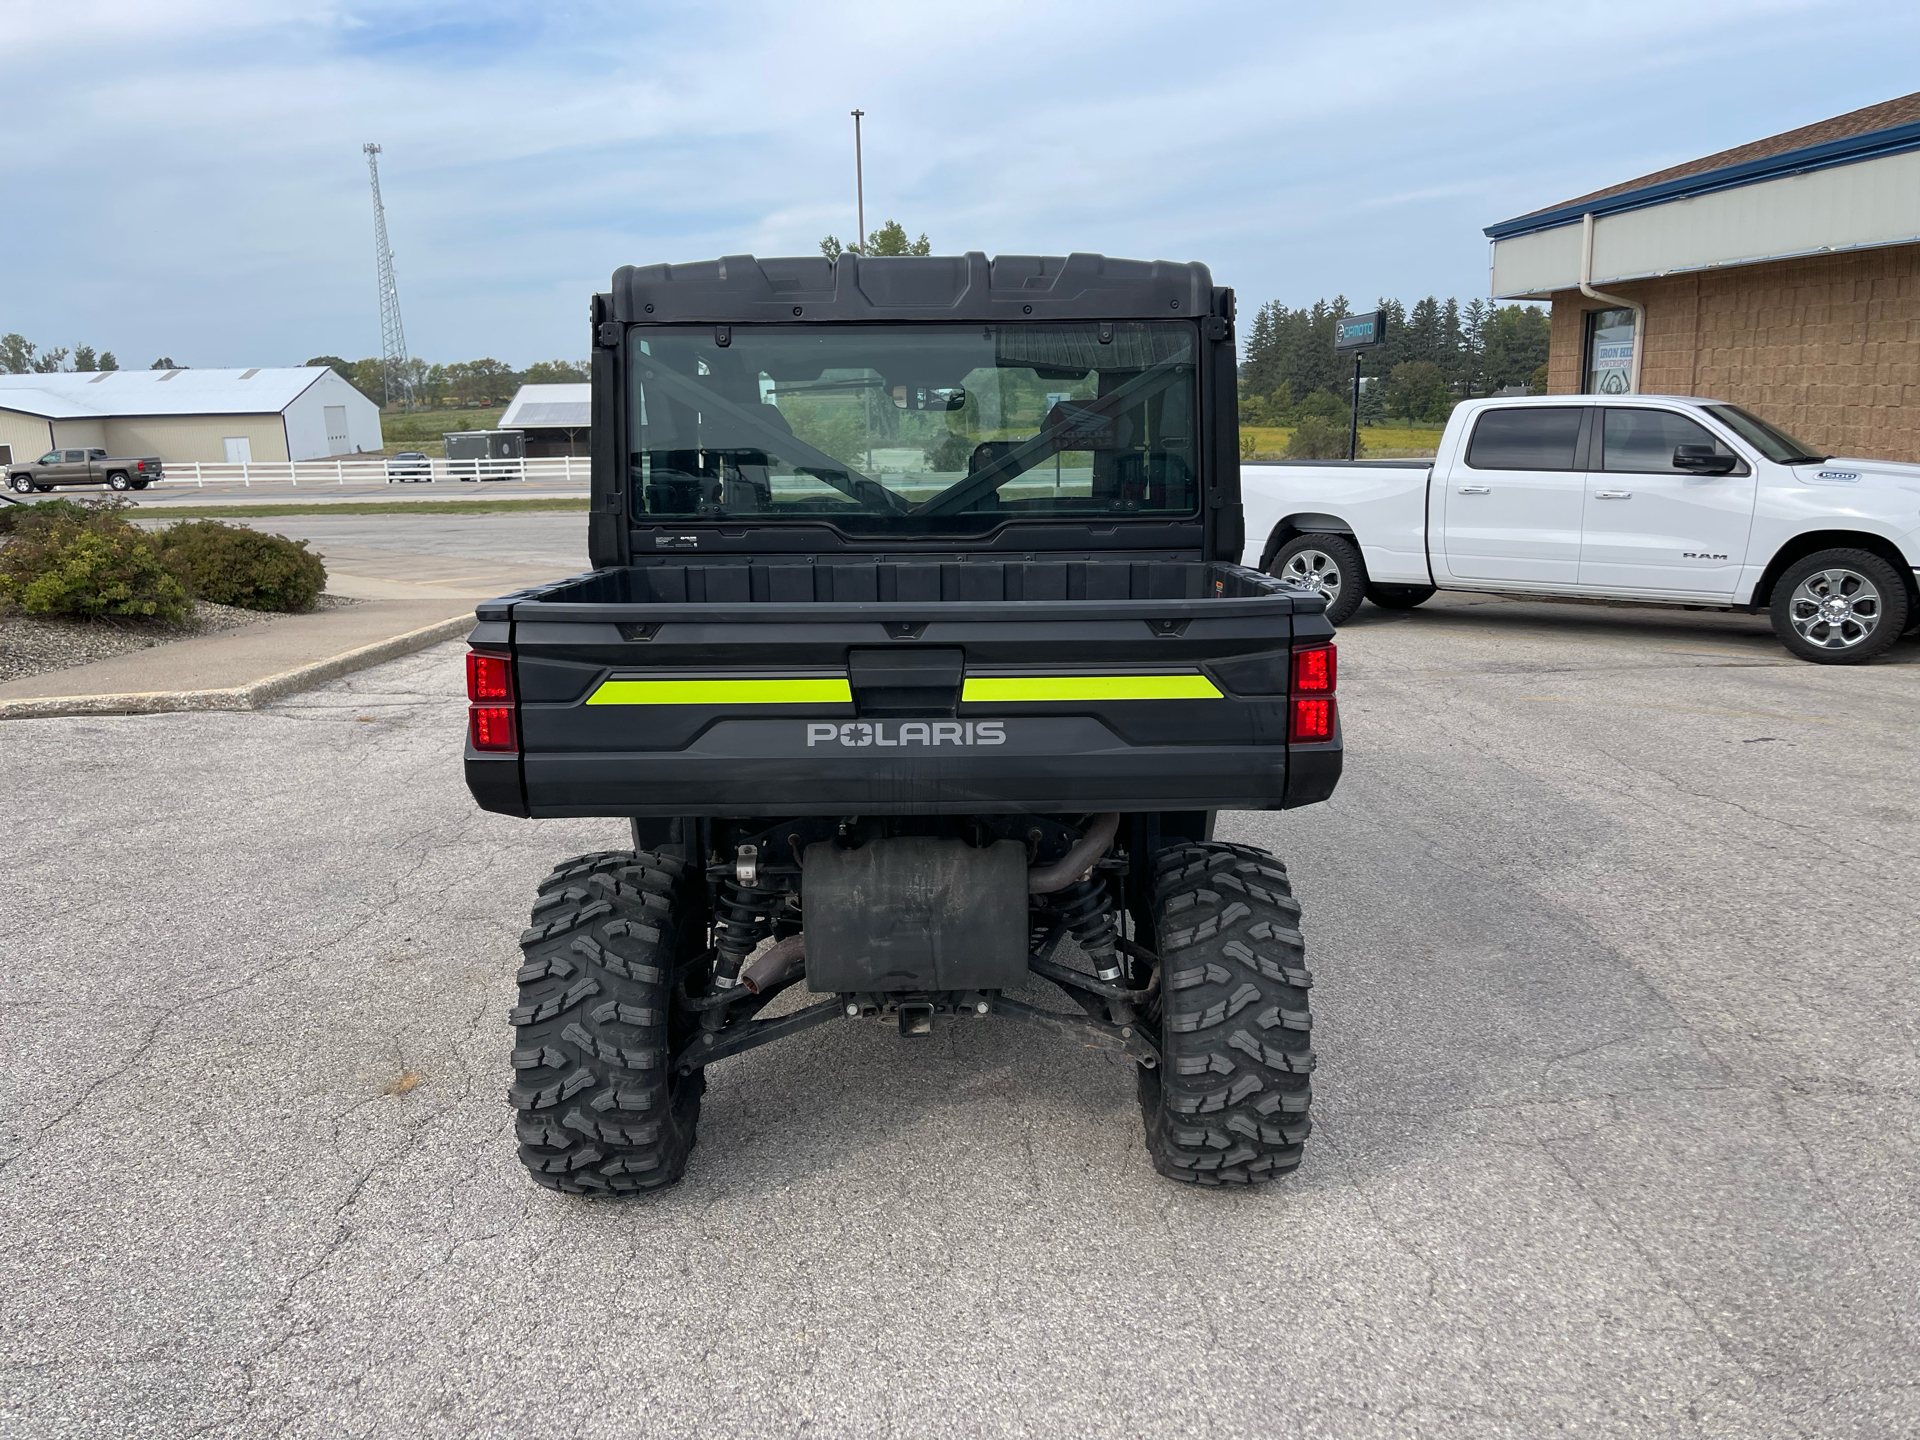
888,688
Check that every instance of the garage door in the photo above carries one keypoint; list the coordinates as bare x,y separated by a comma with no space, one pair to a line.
337,430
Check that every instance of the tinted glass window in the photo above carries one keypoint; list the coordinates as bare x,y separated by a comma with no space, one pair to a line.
1536,438
1644,440
914,430
1770,440
73,457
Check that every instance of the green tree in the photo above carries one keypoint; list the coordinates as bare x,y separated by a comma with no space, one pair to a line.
16,354
107,361
84,360
165,362
334,363
369,377
1316,438
554,372
889,239
1418,391
50,362
1517,341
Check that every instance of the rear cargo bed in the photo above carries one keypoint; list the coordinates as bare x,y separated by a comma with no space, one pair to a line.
715,686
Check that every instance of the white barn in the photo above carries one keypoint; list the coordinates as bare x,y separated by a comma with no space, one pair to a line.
287,413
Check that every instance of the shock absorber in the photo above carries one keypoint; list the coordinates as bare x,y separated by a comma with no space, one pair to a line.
1087,907
742,914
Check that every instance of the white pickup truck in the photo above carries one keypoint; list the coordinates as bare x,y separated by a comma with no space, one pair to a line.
1659,499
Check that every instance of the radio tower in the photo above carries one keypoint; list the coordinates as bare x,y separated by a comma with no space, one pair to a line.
393,339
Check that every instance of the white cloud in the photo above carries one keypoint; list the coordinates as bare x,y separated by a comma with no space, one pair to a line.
208,199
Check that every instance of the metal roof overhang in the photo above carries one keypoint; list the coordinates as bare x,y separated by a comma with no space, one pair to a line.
1862,202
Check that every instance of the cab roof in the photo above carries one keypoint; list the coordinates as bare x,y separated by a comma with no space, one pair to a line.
970,287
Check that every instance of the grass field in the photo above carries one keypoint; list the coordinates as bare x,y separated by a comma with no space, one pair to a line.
1381,442
367,507
423,428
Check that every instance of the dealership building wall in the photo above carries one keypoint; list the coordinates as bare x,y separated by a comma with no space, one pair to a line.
1783,276
1827,347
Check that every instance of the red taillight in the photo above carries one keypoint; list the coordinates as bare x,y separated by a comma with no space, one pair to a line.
488,677
1313,671
491,727
1312,720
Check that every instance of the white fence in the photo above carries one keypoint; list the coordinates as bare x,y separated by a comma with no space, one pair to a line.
375,470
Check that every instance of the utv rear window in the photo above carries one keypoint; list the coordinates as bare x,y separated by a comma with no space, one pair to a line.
1536,437
913,429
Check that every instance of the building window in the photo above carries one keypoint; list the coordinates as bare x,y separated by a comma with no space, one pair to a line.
1610,341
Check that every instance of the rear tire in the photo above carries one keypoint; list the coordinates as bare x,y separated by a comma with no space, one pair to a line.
118,481
599,1110
1399,597
1229,1102
1839,607
1327,565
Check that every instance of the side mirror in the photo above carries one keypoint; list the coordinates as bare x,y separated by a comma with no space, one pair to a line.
1703,460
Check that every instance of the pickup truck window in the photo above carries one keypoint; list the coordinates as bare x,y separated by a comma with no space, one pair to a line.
911,430
1770,440
73,457
1643,441
1534,437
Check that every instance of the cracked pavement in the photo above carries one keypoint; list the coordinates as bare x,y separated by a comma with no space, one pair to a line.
1613,928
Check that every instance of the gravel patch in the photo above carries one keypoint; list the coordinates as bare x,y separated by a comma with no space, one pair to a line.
36,644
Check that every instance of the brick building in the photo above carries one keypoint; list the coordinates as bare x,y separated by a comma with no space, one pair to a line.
1782,275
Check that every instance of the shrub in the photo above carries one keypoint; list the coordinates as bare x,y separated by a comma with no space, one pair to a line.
1315,438
18,519
91,563
232,565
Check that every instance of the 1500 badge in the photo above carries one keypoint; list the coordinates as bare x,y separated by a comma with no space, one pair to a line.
910,732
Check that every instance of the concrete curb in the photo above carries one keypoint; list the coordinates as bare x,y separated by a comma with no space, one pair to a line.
240,697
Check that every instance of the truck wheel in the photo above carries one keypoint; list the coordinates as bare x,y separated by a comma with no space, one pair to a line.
1228,1103
599,1109
118,481
21,485
1839,607
1328,565
1399,597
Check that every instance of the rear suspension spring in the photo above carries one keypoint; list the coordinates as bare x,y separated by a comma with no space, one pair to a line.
743,918
1087,908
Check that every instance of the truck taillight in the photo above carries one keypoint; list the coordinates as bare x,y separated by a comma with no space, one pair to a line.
488,677
1315,670
491,727
1312,720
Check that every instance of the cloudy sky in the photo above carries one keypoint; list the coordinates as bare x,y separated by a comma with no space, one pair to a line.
186,178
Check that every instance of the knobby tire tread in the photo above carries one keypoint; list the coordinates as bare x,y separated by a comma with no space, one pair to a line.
1228,1105
597,1109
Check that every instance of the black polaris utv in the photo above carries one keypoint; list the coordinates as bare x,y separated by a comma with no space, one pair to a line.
915,647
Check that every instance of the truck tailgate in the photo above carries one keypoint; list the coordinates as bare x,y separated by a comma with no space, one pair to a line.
886,687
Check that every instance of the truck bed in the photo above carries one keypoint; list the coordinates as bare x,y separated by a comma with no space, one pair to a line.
748,687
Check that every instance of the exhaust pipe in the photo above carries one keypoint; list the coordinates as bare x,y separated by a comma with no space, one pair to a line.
1045,880
782,958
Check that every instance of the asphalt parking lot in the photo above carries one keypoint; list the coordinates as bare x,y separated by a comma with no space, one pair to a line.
1613,927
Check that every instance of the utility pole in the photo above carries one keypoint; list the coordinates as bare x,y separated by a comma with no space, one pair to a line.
396,385
859,187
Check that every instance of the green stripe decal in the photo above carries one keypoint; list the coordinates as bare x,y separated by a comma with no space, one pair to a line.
723,692
1014,688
